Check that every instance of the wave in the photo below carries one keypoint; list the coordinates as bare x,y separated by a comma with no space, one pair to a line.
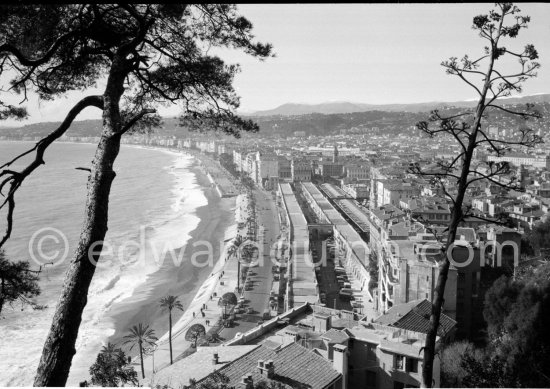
116,286
164,219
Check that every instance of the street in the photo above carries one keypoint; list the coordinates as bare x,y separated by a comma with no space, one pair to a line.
261,278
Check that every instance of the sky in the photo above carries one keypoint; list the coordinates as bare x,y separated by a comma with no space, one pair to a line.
365,53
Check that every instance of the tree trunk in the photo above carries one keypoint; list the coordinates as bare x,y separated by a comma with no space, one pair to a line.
59,347
141,360
2,294
456,218
170,334
238,275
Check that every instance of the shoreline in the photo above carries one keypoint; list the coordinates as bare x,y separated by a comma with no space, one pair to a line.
189,283
215,221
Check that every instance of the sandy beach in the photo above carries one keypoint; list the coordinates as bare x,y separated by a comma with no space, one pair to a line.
182,281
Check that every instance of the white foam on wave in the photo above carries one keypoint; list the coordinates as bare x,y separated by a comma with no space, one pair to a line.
204,292
111,285
119,282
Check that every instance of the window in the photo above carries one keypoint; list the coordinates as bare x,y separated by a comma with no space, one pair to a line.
398,362
412,365
371,379
371,352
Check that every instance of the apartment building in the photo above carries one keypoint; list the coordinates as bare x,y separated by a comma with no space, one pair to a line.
432,210
357,171
357,191
300,170
392,191
285,170
266,167
329,169
523,159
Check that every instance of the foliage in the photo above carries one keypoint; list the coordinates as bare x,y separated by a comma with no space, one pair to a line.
469,130
372,268
499,300
228,298
8,111
483,373
112,368
452,371
17,283
539,236
147,56
525,346
141,336
170,302
194,333
518,354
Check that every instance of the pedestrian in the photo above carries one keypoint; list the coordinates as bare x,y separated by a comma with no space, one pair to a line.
202,314
193,315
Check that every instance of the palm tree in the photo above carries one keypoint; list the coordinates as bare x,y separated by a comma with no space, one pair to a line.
234,250
141,335
169,303
110,350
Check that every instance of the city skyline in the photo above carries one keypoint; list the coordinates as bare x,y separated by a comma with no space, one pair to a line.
369,53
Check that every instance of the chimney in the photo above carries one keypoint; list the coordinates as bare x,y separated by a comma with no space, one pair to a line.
261,366
340,362
215,359
247,382
270,369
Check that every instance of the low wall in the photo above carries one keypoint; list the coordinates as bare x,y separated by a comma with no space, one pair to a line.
267,326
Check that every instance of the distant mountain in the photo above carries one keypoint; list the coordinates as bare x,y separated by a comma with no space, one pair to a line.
288,118
291,109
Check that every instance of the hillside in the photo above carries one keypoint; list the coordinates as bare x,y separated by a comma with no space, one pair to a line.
291,109
392,120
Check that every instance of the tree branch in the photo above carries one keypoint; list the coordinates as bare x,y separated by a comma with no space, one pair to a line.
15,179
136,118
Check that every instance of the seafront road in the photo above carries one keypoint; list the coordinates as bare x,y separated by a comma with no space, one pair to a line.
262,277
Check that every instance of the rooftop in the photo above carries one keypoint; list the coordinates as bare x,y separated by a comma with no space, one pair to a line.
294,366
198,365
415,316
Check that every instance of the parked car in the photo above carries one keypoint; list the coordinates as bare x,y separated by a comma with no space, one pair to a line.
346,294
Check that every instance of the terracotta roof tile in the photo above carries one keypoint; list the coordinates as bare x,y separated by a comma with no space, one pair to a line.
415,316
294,366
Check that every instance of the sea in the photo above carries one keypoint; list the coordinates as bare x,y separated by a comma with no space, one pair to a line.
153,205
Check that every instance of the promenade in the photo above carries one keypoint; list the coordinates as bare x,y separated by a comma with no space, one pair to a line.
223,279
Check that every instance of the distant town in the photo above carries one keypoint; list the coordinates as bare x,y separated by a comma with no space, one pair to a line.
361,319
